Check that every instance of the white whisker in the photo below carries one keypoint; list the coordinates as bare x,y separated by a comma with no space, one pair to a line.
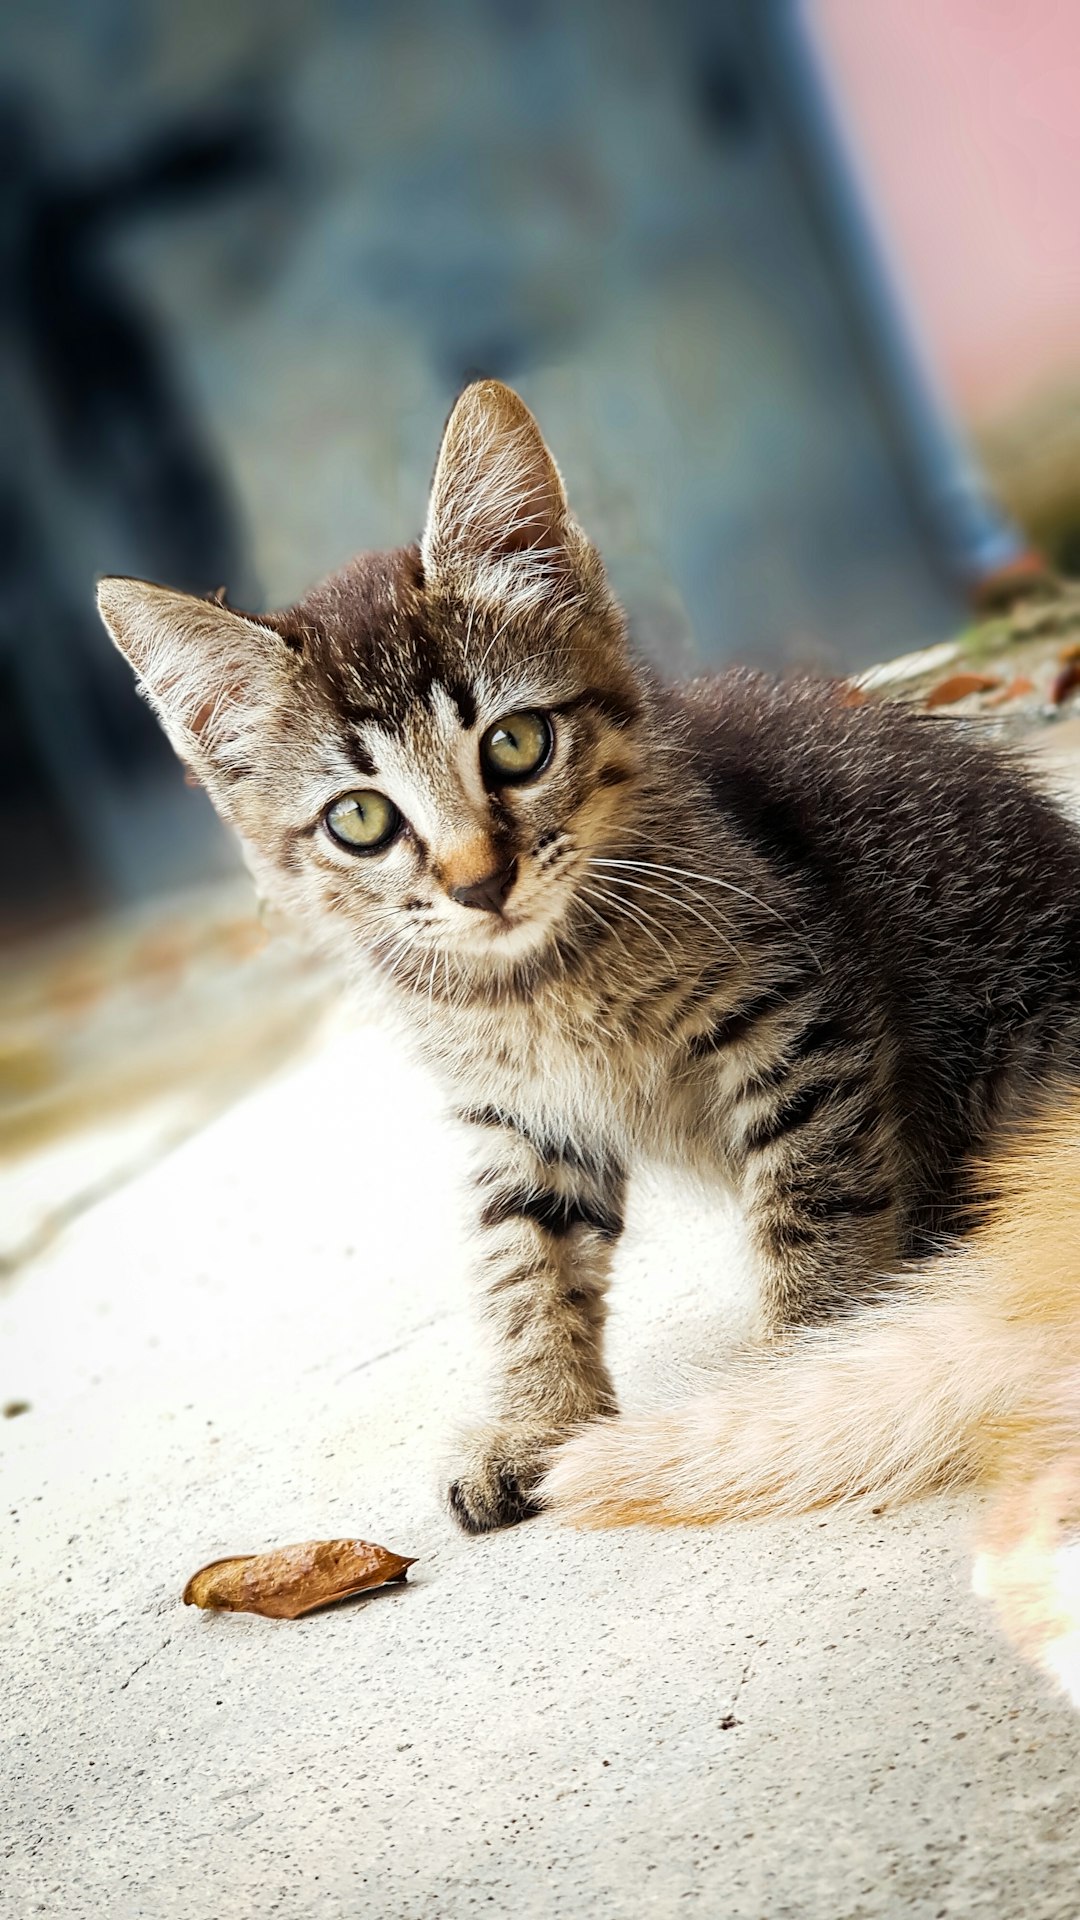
713,880
682,904
638,914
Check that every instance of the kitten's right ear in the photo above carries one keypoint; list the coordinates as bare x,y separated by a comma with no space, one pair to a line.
206,670
498,521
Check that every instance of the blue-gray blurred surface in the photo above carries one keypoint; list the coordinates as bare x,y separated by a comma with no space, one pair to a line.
252,251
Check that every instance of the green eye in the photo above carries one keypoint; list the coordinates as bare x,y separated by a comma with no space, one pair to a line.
363,822
517,747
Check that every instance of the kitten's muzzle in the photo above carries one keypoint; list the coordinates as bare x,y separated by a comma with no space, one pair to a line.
490,892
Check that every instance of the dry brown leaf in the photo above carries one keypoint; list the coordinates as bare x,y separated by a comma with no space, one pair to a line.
1066,681
959,685
290,1581
1017,689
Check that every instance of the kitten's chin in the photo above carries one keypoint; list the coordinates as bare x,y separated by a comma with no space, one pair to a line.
509,939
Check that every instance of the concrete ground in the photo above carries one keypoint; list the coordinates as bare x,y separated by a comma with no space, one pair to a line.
263,1338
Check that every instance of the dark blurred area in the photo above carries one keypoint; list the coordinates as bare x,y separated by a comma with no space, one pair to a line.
248,255
104,448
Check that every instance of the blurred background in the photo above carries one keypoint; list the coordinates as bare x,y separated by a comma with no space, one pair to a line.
792,285
762,269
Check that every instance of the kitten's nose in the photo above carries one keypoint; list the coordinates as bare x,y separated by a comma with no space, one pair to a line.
490,892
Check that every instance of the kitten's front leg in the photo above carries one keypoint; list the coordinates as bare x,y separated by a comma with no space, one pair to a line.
820,1182
549,1216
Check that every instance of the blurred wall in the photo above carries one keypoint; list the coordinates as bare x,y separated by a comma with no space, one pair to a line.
968,131
965,119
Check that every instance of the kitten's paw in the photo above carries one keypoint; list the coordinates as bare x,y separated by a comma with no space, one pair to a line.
495,1487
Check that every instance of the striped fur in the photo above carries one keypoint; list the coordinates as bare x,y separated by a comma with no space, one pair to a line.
821,955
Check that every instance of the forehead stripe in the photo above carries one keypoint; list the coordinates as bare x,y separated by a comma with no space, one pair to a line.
361,759
462,697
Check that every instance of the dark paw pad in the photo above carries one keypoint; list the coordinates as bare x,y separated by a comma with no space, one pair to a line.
498,1500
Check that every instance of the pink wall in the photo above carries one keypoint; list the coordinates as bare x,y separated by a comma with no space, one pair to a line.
967,117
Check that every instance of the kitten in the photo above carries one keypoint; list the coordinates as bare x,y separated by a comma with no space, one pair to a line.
824,955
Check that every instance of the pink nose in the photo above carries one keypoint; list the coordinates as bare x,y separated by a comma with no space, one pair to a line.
488,893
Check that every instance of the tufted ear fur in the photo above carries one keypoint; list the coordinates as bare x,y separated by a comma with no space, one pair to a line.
498,524
208,672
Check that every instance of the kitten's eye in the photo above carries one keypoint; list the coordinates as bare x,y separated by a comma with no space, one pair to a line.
517,747
363,822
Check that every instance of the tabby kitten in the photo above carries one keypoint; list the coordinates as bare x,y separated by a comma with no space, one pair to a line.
821,954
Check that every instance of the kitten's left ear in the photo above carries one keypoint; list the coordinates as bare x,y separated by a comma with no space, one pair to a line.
206,670
498,516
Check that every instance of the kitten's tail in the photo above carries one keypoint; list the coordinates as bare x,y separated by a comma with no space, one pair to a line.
950,1380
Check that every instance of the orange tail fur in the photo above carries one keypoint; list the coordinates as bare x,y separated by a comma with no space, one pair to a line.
972,1374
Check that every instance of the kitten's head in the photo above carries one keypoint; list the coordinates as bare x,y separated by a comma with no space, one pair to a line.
420,755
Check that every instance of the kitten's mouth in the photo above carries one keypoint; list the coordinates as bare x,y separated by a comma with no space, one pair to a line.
516,930
499,926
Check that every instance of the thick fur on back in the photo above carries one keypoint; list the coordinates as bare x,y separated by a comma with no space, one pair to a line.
825,956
